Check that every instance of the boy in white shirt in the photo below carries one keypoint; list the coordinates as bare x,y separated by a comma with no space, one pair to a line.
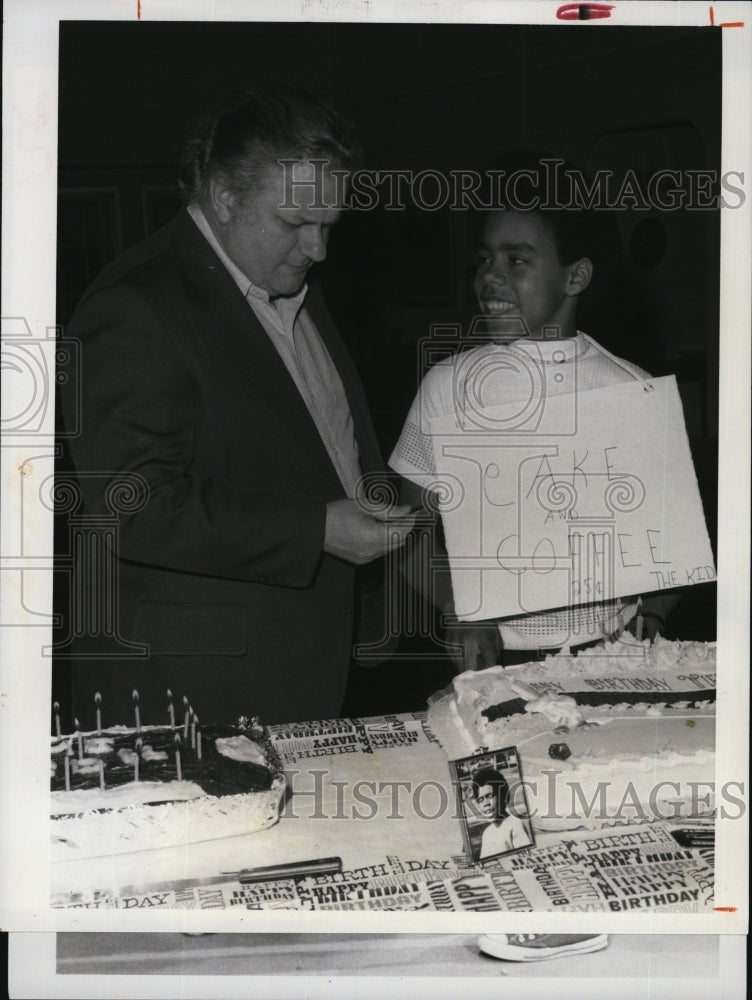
533,268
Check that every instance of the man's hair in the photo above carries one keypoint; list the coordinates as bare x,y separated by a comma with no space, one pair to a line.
546,185
490,776
257,127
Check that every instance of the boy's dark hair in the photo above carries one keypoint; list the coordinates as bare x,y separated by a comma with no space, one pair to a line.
257,127
490,776
551,187
557,191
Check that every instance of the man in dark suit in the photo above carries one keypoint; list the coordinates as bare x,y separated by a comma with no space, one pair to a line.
223,421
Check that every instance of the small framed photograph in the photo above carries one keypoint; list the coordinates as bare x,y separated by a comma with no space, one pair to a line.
492,804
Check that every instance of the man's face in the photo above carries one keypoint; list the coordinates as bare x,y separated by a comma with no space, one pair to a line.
274,232
520,277
486,801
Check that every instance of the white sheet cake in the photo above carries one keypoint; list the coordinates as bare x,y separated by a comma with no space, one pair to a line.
233,785
623,732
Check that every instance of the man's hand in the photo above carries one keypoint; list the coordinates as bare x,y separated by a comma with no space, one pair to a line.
358,537
480,644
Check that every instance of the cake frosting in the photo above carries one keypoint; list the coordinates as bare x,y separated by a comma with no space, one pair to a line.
125,790
621,732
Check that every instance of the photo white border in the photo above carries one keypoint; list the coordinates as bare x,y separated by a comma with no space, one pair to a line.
28,284
34,974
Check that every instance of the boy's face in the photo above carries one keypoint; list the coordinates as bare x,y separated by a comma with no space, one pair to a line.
486,799
520,278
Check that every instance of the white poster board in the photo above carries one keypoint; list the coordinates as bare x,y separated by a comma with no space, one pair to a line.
600,501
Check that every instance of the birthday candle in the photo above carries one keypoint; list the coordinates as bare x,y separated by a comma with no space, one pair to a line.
58,731
177,756
101,774
98,703
197,729
80,739
67,766
186,717
640,623
136,710
171,708
139,744
193,730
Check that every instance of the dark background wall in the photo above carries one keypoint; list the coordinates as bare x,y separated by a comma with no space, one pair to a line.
424,96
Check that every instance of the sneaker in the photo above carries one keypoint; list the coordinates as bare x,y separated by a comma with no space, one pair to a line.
539,947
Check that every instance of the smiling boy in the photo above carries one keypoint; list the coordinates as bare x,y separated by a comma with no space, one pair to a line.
534,266
521,276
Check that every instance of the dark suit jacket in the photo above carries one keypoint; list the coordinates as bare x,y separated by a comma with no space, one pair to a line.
221,571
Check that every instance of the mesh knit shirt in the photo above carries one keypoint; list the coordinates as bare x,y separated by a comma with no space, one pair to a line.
522,371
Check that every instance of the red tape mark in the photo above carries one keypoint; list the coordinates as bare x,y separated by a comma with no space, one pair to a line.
724,24
724,909
584,11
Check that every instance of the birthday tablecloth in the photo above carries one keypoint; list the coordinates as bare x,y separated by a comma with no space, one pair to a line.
377,794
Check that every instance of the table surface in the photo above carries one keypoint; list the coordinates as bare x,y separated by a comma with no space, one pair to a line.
378,794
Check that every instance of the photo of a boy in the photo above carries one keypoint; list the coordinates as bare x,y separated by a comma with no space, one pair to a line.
505,831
